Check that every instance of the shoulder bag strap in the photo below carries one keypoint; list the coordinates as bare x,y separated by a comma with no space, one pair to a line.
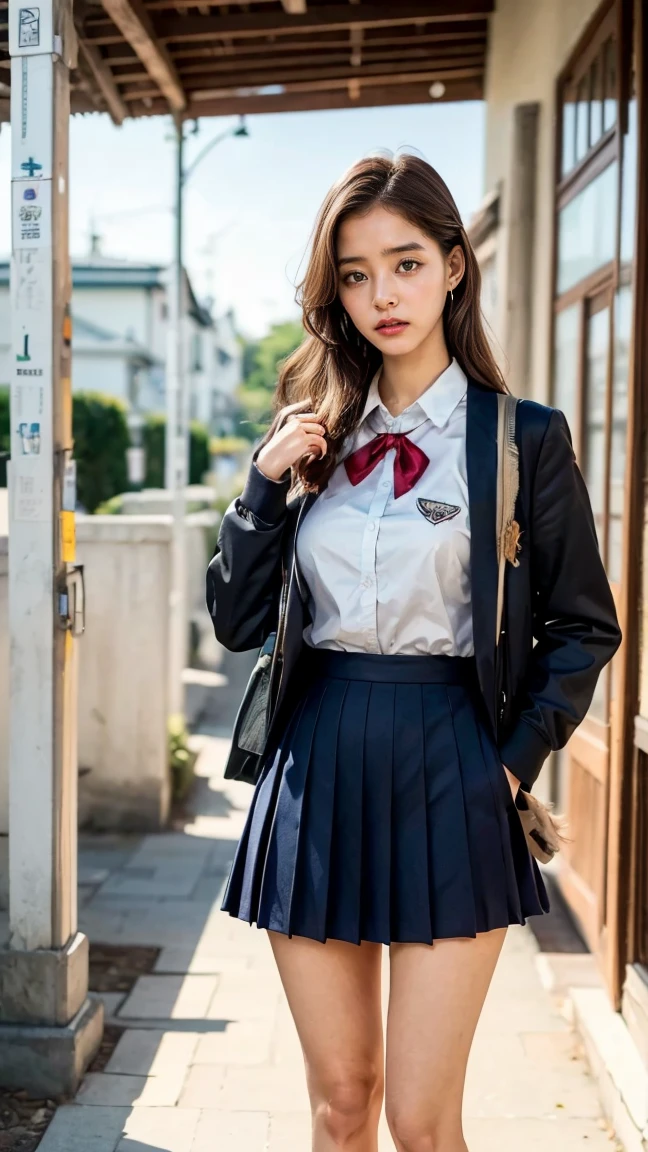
508,483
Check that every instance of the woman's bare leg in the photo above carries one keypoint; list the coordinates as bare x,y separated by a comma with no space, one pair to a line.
333,991
436,996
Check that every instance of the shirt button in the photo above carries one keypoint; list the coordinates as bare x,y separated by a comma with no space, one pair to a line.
371,525
385,484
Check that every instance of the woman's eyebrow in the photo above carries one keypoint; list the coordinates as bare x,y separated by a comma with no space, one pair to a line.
413,247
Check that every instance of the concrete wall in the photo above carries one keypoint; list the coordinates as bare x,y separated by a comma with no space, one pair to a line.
123,661
529,45
4,728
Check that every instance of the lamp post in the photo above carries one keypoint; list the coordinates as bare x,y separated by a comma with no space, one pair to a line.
177,423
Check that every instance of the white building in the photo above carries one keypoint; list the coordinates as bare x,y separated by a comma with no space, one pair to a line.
119,333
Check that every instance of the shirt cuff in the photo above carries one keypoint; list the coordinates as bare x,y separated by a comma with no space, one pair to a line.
524,752
266,498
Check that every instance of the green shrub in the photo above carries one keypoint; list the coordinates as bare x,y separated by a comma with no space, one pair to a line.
181,758
101,438
112,507
228,445
154,434
198,452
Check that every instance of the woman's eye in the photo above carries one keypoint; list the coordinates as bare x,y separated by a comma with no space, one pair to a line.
412,264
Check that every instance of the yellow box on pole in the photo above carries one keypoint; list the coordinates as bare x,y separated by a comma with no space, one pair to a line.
68,537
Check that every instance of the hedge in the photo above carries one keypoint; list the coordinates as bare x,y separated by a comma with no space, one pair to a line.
154,433
101,438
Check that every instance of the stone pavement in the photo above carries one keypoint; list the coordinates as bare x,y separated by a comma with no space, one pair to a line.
209,1060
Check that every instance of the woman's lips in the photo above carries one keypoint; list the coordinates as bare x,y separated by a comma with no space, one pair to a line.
392,329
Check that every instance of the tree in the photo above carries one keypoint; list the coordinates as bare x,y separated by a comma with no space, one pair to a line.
262,360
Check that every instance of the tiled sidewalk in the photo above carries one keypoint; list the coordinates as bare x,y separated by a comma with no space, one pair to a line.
209,1060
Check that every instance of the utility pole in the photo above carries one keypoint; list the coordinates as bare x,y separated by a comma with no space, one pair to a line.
177,423
177,443
49,1028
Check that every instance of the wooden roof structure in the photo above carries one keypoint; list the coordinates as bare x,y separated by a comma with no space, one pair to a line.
193,58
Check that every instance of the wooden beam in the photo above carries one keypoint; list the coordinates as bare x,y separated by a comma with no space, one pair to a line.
272,68
336,78
134,23
104,80
435,12
329,67
294,7
327,18
442,40
320,101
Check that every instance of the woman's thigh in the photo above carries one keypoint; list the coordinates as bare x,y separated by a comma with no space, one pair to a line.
436,995
333,991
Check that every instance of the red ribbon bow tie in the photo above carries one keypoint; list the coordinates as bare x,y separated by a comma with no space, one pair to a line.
409,465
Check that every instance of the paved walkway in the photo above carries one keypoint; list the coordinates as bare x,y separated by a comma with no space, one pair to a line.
209,1061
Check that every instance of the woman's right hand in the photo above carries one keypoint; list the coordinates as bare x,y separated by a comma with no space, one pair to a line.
298,436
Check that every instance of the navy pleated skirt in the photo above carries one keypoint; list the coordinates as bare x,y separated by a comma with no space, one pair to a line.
382,811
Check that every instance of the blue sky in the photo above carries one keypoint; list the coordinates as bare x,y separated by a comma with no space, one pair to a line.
251,204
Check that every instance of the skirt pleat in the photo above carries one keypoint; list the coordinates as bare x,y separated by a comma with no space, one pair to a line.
278,875
313,867
382,811
377,815
410,899
449,851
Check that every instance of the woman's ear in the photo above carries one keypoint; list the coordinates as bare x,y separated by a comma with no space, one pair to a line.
456,266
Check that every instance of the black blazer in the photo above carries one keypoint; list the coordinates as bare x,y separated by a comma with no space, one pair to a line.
559,595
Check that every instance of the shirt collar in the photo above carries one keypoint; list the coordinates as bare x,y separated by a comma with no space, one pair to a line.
438,401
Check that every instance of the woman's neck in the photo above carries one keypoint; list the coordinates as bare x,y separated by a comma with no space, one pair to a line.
404,378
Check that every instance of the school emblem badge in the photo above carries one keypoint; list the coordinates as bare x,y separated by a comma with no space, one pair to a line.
435,511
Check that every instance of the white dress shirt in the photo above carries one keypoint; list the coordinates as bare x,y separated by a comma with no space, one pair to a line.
382,575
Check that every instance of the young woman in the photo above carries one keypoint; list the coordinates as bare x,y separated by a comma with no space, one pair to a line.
385,809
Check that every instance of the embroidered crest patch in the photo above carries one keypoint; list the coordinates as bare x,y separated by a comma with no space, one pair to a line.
435,511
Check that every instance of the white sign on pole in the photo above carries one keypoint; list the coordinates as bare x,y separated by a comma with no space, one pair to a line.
32,213
30,29
31,130
29,488
31,283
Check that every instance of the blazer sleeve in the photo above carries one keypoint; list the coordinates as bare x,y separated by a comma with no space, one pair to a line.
575,620
244,575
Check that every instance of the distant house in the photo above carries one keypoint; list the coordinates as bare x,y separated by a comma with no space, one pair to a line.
119,340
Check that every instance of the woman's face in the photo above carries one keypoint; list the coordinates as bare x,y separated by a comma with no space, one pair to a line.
388,269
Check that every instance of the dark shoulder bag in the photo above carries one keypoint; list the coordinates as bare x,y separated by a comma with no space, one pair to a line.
250,732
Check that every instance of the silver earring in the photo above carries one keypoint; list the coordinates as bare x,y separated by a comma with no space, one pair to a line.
451,296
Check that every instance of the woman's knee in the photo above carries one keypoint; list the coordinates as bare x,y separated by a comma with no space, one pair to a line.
346,1101
422,1132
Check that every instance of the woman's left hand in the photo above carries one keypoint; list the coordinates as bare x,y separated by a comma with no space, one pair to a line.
514,783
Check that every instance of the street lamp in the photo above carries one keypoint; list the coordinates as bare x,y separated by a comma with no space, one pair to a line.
177,423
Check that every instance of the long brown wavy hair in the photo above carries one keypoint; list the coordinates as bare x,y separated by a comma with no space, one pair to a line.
329,373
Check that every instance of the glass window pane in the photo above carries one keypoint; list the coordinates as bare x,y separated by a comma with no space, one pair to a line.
582,119
596,105
587,229
597,344
568,130
620,371
565,394
609,85
629,183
